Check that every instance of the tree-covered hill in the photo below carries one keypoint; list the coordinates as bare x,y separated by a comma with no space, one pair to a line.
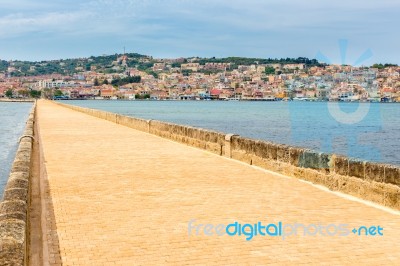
118,63
250,61
104,63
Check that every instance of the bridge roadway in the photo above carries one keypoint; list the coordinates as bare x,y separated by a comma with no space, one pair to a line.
117,196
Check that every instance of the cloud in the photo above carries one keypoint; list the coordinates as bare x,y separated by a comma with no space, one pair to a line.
202,27
19,24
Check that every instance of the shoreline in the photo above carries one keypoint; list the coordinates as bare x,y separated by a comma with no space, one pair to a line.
17,100
215,100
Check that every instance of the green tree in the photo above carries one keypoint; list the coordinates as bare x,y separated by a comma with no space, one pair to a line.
35,93
9,93
127,80
23,93
151,72
378,66
186,72
382,66
48,93
141,97
105,82
269,70
58,92
96,82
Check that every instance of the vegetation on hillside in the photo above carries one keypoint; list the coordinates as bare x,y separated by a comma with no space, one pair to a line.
113,64
236,61
3,65
382,66
127,80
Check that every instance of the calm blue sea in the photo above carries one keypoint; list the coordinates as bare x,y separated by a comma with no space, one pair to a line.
368,131
13,117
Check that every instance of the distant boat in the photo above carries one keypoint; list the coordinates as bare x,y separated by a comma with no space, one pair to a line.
61,97
374,100
299,99
269,98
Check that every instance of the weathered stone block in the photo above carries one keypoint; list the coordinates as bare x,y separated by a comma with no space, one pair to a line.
15,194
20,167
309,159
227,145
272,151
241,156
245,144
373,191
12,230
331,182
19,175
220,138
11,253
392,197
214,148
190,132
295,155
392,174
357,168
350,185
17,183
374,172
312,176
15,209
23,157
299,172
25,146
283,153
260,162
261,149
325,162
341,165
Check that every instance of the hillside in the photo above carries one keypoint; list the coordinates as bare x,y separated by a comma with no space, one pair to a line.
117,63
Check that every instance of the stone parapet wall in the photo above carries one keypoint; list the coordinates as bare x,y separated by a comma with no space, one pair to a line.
15,203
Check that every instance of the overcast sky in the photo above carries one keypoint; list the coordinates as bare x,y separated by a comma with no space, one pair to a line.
53,29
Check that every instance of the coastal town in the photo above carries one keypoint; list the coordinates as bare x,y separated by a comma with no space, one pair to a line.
134,77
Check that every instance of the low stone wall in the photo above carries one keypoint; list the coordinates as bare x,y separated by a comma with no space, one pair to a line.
376,182
200,138
14,206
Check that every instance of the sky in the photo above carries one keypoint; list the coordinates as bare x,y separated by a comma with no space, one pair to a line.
57,29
